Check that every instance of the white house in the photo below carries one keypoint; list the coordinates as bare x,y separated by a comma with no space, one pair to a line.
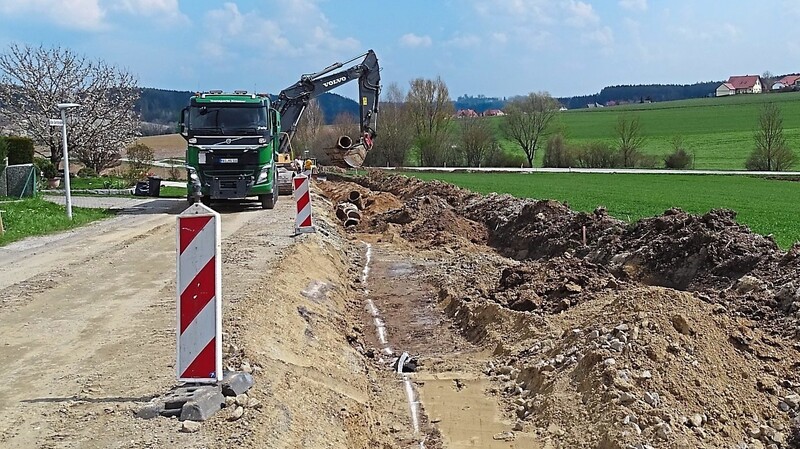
725,89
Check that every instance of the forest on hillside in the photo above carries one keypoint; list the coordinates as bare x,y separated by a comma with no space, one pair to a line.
164,106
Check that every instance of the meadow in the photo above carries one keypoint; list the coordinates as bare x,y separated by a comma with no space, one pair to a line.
767,206
718,131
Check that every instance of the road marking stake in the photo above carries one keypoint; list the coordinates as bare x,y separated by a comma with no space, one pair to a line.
199,296
303,221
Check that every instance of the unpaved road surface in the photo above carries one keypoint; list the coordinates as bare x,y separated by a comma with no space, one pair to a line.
88,323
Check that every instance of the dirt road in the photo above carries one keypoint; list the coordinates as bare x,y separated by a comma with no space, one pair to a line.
88,324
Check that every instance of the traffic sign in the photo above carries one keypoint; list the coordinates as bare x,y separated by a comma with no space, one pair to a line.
56,122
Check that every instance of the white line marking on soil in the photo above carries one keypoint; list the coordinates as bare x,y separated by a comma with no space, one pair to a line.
413,404
365,272
380,328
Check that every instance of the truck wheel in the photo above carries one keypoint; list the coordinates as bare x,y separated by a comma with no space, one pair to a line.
267,201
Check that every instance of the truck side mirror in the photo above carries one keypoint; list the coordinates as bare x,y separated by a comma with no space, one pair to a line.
182,124
275,121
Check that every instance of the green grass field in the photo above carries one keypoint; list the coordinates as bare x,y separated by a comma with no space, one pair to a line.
719,131
766,206
35,216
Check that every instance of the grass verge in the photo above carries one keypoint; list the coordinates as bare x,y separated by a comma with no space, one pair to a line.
35,216
767,206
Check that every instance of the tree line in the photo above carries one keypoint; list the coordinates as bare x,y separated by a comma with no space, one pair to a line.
417,126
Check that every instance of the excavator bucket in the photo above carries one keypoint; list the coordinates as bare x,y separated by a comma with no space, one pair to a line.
347,155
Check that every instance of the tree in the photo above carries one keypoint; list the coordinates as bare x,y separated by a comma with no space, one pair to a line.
307,136
395,132
680,157
767,80
34,79
477,140
771,152
528,119
557,153
431,112
630,139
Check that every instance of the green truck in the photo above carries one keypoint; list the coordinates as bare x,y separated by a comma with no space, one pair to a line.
236,139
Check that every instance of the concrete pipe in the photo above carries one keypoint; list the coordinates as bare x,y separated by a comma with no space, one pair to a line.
343,209
355,198
354,214
351,222
344,143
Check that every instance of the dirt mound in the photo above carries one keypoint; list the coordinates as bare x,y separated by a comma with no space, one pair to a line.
744,272
551,286
651,366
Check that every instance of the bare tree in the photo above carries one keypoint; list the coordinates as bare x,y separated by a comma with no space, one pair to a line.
395,133
34,79
431,111
771,153
477,140
767,80
630,139
528,119
308,130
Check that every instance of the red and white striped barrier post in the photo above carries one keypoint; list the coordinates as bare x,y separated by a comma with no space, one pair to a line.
303,221
199,317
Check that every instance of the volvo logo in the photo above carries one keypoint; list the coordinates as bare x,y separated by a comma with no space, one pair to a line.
334,81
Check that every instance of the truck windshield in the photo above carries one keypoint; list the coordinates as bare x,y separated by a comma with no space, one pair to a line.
228,120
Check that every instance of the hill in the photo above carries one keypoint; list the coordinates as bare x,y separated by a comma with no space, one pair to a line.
164,106
718,131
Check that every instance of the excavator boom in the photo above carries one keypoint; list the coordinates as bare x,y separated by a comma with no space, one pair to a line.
293,100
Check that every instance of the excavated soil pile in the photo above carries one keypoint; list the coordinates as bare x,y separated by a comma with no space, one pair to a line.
592,350
744,272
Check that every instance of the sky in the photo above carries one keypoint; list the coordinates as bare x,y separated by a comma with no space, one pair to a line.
496,48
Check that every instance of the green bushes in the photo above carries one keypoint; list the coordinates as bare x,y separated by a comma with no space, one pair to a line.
680,157
20,150
46,168
87,172
557,153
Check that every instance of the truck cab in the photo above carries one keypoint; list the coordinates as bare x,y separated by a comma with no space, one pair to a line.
232,145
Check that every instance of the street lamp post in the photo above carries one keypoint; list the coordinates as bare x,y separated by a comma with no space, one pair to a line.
63,108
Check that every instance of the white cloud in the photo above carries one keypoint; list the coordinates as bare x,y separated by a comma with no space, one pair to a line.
464,41
275,36
633,5
168,10
580,14
412,40
86,15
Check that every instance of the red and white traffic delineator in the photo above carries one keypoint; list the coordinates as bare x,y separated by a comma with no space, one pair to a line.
199,328
302,198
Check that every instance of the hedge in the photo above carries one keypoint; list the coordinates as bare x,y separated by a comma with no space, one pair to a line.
20,150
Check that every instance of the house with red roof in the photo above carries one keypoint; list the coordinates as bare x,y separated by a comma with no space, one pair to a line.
747,84
461,113
787,81
493,113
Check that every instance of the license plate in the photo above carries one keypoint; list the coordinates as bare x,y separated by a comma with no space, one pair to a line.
228,160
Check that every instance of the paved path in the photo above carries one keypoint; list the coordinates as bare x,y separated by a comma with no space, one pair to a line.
129,205
637,171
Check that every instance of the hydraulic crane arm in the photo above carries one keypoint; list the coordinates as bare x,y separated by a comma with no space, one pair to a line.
293,100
